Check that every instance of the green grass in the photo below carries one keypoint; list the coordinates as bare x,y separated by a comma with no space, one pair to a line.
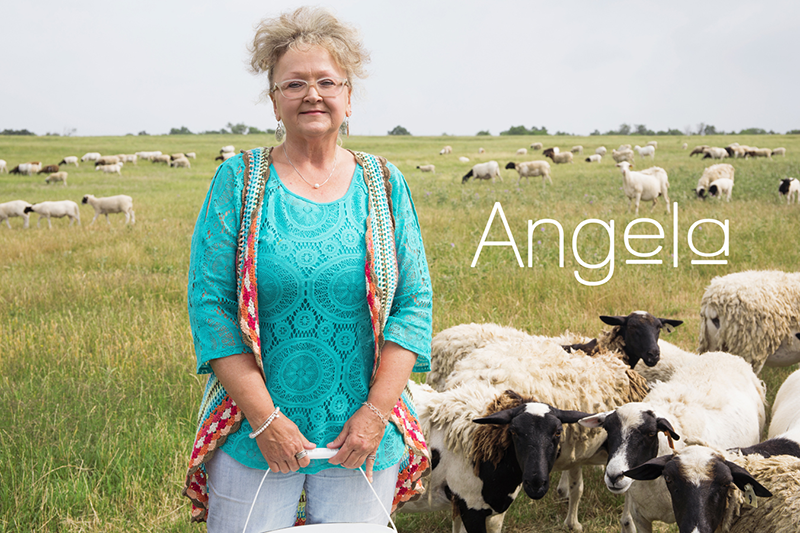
97,380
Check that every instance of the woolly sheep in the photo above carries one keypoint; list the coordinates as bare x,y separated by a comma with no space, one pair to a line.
164,158
646,185
736,151
427,168
790,187
56,177
3,166
601,150
624,147
594,158
226,149
786,407
483,171
536,146
522,151
622,155
646,150
715,153
716,400
180,155
69,160
446,150
111,204
723,186
191,155
530,169
779,151
131,158
653,144
464,159
700,149
59,209
703,497
147,155
107,160
759,152
577,149
180,162
558,158
712,174
15,208
91,156
753,314
110,169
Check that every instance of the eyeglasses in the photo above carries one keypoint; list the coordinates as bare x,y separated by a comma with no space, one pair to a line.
326,87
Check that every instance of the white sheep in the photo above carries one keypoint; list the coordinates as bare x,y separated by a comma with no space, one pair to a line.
483,171
759,152
790,187
577,149
56,177
180,162
623,147
786,408
191,155
111,169
713,152
15,208
164,158
601,150
684,146
779,151
463,159
28,169
91,156
753,314
558,157
652,143
3,166
131,158
712,174
427,168
622,155
70,160
594,158
736,151
646,185
717,399
530,169
646,150
446,150
536,146
721,187
58,209
147,155
522,151
226,149
111,204
481,151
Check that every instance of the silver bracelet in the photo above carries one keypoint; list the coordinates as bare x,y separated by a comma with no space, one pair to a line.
377,412
275,414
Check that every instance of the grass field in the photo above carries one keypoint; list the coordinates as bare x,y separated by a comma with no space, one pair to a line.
97,375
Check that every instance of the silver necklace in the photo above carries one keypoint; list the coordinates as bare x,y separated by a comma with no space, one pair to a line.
315,185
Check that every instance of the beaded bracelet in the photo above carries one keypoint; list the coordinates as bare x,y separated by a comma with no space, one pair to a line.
377,412
267,422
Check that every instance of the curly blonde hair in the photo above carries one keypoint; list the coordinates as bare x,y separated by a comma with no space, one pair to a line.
305,27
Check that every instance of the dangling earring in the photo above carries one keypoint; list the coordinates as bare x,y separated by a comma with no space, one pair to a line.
279,132
347,125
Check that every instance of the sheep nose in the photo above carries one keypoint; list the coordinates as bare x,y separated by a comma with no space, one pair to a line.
535,491
612,480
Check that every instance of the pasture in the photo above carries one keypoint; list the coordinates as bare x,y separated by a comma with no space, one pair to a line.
97,381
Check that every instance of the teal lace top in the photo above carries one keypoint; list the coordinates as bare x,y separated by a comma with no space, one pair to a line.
317,342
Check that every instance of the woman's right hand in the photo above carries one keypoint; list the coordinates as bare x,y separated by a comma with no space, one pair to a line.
280,442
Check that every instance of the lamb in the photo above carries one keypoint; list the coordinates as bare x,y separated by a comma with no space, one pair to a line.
15,208
715,153
111,204
601,150
483,171
91,156
712,174
645,151
790,187
69,160
522,151
48,169
704,500
530,169
107,160
779,151
623,155
464,159
558,158
720,187
594,158
446,150
111,169
427,168
577,149
701,149
3,166
753,314
645,185
654,144
59,209
55,177
759,152
180,162
536,146
716,400
229,149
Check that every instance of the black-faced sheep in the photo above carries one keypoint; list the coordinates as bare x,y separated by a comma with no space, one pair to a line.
111,204
181,162
107,160
427,168
224,156
790,187
90,156
700,150
759,152
721,187
59,209
647,185
558,157
69,160
536,146
779,151
714,152
712,174
483,171
594,158
446,150
530,169
229,149
15,208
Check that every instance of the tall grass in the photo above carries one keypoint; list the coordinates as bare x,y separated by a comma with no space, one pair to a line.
97,378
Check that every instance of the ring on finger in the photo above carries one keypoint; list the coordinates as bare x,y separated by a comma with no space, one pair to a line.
371,457
299,455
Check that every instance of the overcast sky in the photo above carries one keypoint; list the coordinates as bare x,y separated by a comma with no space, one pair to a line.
456,67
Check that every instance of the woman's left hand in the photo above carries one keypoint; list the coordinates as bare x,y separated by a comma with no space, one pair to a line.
359,441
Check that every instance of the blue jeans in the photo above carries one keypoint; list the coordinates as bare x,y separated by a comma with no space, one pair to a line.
333,495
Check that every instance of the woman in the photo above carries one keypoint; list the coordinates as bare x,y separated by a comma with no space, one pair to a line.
333,362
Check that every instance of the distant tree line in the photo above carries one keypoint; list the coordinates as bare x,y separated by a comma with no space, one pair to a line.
398,130
232,129
522,130
16,132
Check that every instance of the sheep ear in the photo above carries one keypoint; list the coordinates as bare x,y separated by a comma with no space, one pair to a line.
500,417
568,417
742,478
662,424
614,320
595,420
669,324
652,469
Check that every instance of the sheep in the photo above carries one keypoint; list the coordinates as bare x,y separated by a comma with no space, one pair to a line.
522,151
717,399
645,185
594,158
684,146
483,171
191,155
558,158
622,155
700,149
164,158
779,151
147,155
111,204
736,151
446,150
753,314
721,187
654,144
107,160
131,158
790,187
173,157
111,169
530,169
786,408
62,208
48,169
712,174
223,156
714,152
57,176
645,151
15,208
481,151
229,149
624,147
69,160
91,156
536,146
427,168
601,150
577,149
759,152
180,162
28,169
464,159
703,482
3,166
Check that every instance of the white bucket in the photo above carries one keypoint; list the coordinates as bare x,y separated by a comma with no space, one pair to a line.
337,528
